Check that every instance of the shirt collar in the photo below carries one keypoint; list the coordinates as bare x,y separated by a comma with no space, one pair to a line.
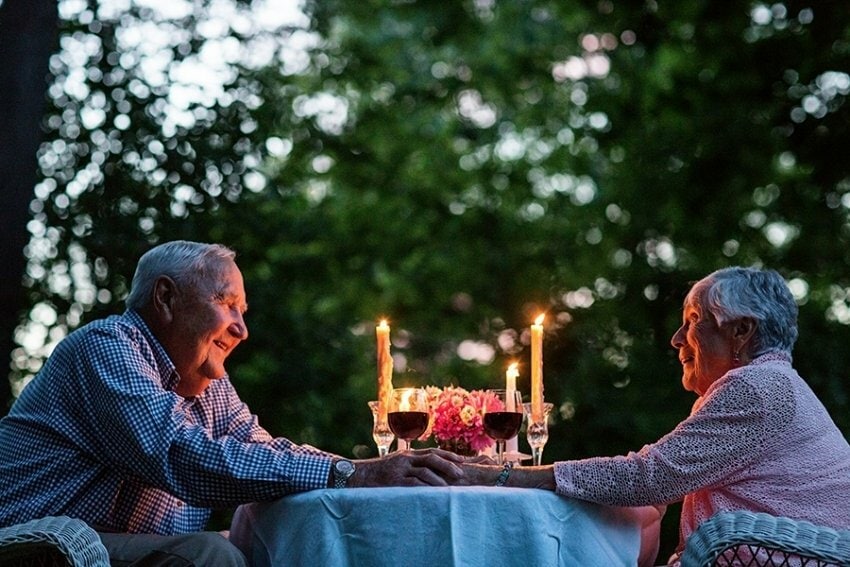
766,358
166,368
772,356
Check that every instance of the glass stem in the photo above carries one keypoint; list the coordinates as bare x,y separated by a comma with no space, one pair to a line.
537,456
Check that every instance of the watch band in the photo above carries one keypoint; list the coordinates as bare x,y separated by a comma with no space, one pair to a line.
342,469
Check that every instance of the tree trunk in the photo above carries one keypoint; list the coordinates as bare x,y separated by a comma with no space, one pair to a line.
28,33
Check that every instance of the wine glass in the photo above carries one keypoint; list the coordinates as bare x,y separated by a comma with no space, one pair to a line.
502,418
381,432
537,431
408,413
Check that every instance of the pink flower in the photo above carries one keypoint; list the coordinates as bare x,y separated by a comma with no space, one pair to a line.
456,415
467,415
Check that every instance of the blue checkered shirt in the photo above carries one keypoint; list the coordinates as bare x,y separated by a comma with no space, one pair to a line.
100,435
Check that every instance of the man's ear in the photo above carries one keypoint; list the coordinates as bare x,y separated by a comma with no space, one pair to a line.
164,298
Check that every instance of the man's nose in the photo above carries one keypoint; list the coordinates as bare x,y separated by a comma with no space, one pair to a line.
238,328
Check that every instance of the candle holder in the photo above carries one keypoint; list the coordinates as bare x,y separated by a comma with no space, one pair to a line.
381,432
537,432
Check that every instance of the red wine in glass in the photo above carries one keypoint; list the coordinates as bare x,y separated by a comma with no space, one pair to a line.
502,425
408,425
408,415
502,418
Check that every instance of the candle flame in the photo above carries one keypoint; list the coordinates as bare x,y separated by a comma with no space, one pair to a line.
513,370
404,403
539,320
382,324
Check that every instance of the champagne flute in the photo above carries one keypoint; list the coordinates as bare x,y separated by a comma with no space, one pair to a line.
408,413
381,432
537,431
502,418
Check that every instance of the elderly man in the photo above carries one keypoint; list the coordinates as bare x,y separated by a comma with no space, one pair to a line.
134,427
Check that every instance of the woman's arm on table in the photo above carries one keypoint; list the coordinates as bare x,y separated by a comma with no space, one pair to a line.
475,474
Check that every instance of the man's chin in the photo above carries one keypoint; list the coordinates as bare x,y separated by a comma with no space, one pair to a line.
194,387
212,372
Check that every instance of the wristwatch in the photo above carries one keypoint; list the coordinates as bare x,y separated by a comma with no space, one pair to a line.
343,469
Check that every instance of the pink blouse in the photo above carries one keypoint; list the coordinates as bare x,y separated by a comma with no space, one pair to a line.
758,440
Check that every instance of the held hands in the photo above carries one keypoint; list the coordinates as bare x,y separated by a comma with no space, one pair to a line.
419,467
435,467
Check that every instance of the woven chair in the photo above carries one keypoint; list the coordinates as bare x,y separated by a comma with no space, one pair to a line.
748,539
52,541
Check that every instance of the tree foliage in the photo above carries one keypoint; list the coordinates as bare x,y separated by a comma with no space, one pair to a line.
27,38
458,168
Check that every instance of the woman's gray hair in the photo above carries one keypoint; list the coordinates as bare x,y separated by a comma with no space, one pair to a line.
734,293
183,261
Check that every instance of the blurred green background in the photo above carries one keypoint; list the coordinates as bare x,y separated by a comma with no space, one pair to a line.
455,167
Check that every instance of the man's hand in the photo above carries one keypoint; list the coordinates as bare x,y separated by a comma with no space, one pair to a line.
419,467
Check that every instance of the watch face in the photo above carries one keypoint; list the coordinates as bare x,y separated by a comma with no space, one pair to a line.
344,468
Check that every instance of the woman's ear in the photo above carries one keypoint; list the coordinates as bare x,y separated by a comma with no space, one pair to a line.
743,330
164,299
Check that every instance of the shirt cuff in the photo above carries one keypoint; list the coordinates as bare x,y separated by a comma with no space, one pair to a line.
564,479
310,471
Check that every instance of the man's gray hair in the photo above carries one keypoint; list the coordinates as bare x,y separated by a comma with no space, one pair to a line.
183,261
734,293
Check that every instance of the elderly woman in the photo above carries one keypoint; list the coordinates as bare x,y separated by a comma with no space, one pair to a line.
757,437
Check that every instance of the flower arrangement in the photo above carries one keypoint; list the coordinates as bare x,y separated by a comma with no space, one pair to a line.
456,418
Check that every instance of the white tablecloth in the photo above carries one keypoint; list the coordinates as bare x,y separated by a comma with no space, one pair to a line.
469,526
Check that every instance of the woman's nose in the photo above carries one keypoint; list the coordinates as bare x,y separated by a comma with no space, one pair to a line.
678,338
